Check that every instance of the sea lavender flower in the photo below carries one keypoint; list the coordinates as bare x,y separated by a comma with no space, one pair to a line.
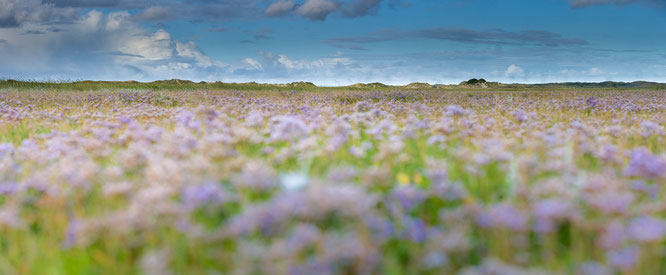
494,266
435,259
611,201
9,216
408,196
651,190
645,164
613,236
302,236
609,152
288,128
591,102
361,150
650,128
625,258
187,118
503,216
363,106
415,229
435,139
254,119
386,126
546,212
594,268
257,176
647,229
336,142
210,193
551,208
125,120
520,115
73,233
380,226
8,188
454,110
6,149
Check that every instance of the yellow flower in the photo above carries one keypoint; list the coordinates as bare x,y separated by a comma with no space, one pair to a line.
403,178
417,178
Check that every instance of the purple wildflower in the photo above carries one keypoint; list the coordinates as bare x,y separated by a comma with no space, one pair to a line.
435,259
454,110
6,149
520,115
408,196
503,215
613,235
287,128
591,102
205,194
625,258
125,120
594,268
416,229
612,202
650,128
72,233
646,229
8,188
645,164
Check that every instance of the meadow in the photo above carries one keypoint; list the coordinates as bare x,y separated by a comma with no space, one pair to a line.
338,182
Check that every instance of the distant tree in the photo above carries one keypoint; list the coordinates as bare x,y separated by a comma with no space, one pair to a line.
481,80
473,81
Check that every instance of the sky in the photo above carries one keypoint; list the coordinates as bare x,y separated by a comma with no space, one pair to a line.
334,42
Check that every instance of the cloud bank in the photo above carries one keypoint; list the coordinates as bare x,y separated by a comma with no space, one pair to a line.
102,43
494,37
319,10
588,3
14,13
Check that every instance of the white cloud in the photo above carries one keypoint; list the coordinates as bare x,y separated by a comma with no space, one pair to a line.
91,20
280,8
318,9
116,20
253,64
191,50
335,69
514,71
157,46
284,62
290,64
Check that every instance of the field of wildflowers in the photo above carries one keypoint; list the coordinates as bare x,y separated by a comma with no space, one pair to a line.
341,182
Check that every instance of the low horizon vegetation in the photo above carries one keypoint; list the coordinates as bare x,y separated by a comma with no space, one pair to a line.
178,84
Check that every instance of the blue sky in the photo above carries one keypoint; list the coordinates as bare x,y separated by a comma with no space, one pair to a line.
334,42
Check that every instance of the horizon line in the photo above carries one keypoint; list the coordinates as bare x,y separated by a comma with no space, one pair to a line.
65,81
